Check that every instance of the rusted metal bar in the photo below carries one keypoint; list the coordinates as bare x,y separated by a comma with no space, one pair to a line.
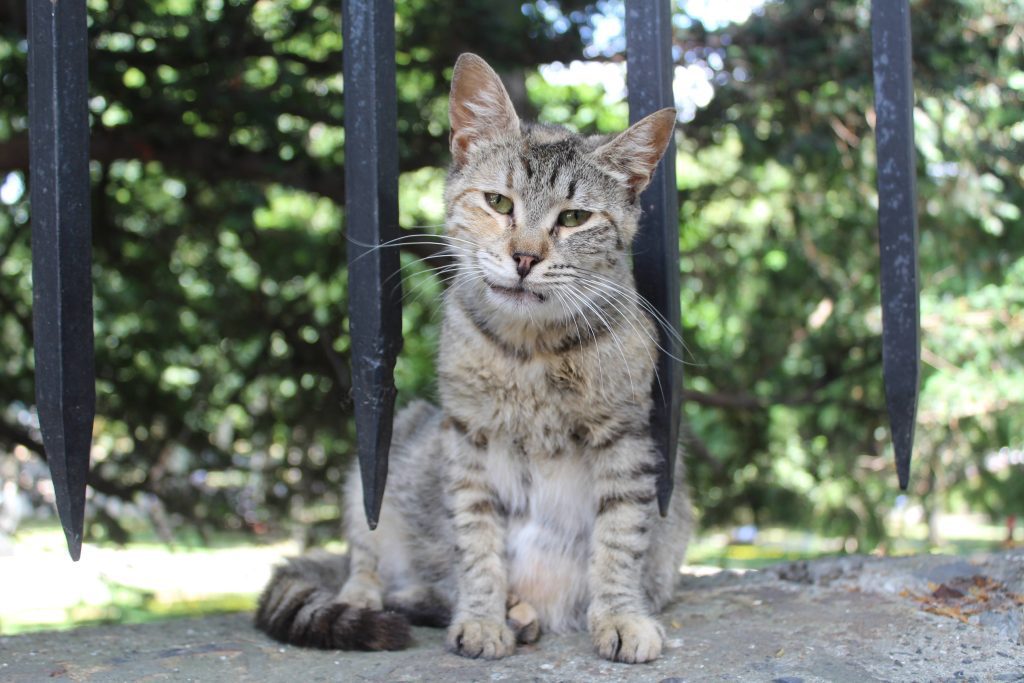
371,218
897,222
656,249
62,251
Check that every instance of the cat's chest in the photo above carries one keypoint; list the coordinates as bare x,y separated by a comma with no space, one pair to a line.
527,399
552,491
551,510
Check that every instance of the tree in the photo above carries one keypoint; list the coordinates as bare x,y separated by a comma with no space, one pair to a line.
222,351
222,346
781,289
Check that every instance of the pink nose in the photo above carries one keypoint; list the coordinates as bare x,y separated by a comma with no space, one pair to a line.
525,262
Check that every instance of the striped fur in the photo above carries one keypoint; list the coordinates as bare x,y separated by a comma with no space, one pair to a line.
299,607
525,502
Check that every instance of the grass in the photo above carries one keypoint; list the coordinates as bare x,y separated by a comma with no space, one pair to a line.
42,589
961,535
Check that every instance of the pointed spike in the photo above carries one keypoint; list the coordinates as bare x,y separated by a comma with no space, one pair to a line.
897,222
61,251
903,444
656,250
374,387
371,184
69,474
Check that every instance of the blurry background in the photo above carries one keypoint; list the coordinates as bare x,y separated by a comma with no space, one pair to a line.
224,416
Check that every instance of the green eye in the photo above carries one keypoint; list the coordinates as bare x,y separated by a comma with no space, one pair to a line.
573,218
499,202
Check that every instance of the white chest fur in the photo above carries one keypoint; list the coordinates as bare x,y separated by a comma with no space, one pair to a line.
550,517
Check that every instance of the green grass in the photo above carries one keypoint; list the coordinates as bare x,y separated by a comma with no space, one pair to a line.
143,581
129,605
963,535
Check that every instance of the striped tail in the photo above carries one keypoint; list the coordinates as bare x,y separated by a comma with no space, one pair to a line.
299,606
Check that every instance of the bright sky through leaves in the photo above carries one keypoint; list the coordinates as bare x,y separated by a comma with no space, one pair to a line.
692,84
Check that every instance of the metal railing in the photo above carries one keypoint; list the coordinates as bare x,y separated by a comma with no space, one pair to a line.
61,234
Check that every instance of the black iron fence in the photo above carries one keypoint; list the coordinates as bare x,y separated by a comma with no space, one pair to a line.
61,234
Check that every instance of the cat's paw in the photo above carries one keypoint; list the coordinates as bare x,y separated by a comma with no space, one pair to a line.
631,638
362,594
522,619
485,638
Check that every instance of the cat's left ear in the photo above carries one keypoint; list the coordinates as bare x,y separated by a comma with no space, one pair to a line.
634,153
479,107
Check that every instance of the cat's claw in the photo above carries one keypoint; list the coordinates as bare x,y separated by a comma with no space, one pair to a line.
631,638
484,638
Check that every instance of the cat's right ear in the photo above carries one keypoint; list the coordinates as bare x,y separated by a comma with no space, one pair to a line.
479,107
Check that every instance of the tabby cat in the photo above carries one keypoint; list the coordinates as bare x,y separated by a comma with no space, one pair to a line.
526,501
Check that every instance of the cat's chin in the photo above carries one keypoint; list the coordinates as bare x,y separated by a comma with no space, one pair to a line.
519,295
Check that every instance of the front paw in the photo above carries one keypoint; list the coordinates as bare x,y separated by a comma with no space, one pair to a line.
631,638
362,594
485,638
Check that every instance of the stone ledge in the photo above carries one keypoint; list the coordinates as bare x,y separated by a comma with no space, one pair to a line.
846,619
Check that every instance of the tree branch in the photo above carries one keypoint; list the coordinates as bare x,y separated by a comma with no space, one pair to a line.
21,437
201,157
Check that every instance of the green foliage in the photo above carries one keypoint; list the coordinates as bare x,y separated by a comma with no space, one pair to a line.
222,344
220,285
780,273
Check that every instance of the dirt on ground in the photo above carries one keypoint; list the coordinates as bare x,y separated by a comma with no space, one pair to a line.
855,619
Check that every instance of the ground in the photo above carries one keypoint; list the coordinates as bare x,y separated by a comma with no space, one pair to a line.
925,618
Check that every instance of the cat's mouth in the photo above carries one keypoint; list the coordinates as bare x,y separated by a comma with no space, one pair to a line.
517,293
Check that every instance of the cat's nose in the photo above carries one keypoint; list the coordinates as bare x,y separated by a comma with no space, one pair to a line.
525,262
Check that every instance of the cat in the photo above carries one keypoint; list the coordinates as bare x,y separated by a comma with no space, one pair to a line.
525,502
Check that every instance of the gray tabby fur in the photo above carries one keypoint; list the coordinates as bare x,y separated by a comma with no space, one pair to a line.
526,501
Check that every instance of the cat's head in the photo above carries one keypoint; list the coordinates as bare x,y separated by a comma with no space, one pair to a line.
536,213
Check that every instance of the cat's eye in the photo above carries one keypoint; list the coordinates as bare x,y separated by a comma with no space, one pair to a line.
498,202
573,218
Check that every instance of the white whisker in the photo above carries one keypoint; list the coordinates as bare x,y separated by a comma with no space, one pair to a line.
635,296
604,294
420,261
575,314
629,321
611,331
415,239
675,339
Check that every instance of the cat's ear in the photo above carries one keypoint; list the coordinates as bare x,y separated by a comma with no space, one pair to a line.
633,154
479,106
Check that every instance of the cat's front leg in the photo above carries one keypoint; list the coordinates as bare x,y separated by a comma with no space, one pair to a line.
618,617
478,627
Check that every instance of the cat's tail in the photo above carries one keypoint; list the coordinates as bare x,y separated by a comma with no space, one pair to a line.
299,606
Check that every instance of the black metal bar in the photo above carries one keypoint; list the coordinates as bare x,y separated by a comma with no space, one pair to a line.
897,222
371,217
62,251
656,249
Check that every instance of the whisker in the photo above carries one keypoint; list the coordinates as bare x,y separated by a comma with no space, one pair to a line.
611,331
421,260
453,282
629,321
641,301
675,339
576,313
594,288
440,275
411,236
415,239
